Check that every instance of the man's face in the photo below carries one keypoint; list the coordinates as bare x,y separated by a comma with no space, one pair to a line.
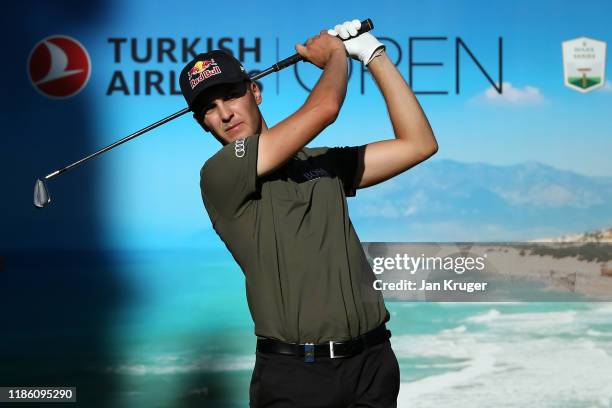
230,111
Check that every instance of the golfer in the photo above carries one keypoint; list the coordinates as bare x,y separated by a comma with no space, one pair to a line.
281,210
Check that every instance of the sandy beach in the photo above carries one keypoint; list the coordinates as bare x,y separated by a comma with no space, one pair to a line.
527,271
566,274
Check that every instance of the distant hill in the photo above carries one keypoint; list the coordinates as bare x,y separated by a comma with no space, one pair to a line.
447,200
603,235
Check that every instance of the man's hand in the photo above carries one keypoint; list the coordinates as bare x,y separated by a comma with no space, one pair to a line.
320,48
363,47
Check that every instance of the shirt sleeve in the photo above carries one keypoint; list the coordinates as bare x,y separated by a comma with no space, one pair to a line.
228,180
344,161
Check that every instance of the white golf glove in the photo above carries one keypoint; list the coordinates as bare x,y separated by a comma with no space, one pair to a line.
363,47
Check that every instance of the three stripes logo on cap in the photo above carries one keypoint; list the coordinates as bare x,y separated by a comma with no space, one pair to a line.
59,66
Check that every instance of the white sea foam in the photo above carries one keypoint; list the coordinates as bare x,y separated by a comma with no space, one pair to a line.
454,330
175,365
480,361
513,360
599,314
603,307
484,317
548,323
443,365
445,345
597,333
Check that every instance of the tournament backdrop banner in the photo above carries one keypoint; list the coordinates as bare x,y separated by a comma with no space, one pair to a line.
121,293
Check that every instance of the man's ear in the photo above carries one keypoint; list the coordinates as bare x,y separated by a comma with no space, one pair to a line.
200,122
256,92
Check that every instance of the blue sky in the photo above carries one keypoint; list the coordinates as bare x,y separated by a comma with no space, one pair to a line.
547,125
151,183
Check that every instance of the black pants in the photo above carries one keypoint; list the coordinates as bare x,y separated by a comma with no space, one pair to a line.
370,379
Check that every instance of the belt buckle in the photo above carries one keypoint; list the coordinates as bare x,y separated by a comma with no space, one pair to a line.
332,353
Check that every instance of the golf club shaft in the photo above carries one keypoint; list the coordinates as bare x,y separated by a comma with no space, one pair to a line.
366,25
118,142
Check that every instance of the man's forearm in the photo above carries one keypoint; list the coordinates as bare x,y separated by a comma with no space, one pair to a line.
408,119
283,140
330,89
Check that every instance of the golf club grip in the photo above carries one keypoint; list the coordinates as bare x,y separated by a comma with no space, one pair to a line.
366,25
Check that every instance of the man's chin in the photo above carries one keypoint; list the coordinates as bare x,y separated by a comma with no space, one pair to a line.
242,134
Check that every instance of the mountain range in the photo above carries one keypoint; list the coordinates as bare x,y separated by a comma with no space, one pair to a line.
447,200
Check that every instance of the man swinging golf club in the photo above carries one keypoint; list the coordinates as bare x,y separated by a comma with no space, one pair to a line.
281,210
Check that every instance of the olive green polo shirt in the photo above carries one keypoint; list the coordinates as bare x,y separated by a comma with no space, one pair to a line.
307,276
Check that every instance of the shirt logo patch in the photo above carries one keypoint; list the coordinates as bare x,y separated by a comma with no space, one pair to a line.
315,173
239,149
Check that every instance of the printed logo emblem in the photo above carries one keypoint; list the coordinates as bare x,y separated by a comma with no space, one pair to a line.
239,148
202,70
584,64
315,174
59,66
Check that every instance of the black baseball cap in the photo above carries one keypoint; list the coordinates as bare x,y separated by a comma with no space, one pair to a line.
207,70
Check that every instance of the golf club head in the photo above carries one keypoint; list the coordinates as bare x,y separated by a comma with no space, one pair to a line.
41,194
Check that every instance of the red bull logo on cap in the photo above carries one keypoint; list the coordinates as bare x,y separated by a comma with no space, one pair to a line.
202,70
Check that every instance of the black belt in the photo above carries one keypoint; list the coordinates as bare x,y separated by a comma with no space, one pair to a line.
331,349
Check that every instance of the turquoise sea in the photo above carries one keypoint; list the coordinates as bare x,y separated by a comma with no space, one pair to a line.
172,329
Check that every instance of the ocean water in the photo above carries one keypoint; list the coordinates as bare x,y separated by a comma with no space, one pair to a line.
172,328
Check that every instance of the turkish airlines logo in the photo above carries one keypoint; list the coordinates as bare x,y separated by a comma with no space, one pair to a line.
59,66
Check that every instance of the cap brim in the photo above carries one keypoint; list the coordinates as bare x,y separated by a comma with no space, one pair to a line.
197,104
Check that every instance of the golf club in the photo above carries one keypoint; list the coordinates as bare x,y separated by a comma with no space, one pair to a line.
41,192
